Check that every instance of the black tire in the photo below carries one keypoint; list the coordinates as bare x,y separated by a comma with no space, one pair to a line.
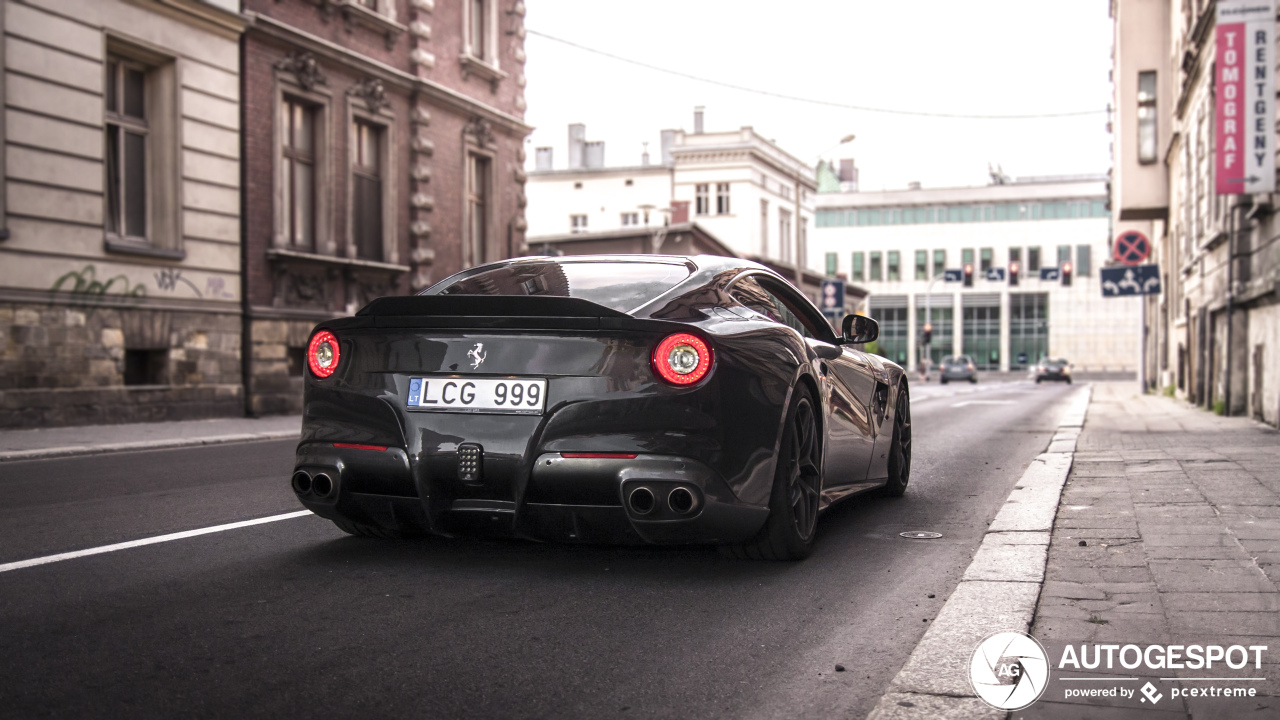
973,381
797,488
944,381
368,531
1037,381
900,448
1068,381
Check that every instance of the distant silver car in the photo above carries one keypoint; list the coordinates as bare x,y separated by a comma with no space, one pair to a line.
958,367
1057,369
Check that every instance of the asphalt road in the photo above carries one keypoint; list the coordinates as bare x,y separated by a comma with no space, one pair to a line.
296,619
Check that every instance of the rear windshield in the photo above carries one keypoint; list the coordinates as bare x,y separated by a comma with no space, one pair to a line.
621,286
1055,361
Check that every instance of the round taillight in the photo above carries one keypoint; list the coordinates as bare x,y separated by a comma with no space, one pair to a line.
682,359
322,355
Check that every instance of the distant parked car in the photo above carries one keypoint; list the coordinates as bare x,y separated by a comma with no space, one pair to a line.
1053,369
958,367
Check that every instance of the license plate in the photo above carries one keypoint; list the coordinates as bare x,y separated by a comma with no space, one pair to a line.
521,396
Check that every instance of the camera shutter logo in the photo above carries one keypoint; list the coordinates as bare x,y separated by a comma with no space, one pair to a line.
1009,670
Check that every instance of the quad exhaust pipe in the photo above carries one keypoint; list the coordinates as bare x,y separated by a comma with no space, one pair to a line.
320,484
641,501
681,501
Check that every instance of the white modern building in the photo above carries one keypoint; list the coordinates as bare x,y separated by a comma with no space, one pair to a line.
898,244
745,190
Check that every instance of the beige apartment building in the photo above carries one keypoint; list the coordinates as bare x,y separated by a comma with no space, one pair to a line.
120,250
1213,335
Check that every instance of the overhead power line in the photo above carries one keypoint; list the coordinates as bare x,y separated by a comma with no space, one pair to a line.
812,101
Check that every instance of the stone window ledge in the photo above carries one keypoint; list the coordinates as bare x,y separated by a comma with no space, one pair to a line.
475,66
126,247
294,255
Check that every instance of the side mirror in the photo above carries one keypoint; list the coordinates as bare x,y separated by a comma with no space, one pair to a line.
859,329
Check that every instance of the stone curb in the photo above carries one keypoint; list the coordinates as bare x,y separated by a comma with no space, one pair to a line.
998,591
75,450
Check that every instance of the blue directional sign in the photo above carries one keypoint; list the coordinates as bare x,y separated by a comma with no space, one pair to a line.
832,299
995,274
1135,280
953,276
1050,274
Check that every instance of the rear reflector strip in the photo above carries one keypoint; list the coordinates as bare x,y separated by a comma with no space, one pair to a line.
610,456
357,446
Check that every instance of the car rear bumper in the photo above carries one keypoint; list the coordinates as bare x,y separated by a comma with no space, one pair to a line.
557,498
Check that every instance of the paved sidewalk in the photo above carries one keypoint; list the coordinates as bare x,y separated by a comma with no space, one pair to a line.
1168,533
93,439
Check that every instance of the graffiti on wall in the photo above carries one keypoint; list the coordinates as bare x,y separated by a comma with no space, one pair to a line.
168,278
84,285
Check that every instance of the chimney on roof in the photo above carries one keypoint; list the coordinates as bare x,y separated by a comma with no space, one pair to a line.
542,159
697,120
644,156
594,156
848,176
913,185
668,142
577,146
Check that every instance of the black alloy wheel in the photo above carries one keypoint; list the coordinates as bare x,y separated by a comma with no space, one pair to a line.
797,488
900,447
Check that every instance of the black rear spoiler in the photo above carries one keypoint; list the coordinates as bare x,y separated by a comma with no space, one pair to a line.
487,306
495,312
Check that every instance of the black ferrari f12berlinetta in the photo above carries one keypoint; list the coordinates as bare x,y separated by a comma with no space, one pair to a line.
643,399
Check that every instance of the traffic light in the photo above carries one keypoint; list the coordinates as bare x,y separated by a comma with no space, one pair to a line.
1013,274
1065,272
928,333
968,275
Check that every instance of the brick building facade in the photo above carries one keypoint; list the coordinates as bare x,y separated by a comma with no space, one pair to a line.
383,150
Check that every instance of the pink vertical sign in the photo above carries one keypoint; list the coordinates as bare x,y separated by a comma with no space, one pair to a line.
1229,91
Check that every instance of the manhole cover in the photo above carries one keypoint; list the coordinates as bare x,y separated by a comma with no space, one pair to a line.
921,535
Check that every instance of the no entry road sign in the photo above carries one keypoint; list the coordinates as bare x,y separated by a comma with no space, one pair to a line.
1132,248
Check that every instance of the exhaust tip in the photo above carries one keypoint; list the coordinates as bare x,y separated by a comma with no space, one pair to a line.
682,501
641,501
301,483
322,485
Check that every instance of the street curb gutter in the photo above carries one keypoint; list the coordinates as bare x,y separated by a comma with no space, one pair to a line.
998,591
75,450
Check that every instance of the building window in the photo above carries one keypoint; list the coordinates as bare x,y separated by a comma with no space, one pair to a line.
832,264
127,132
478,179
722,198
764,228
702,205
366,192
146,367
629,218
894,270
578,223
922,264
857,272
299,165
939,262
784,234
1033,259
1064,254
986,256
966,257
1084,260
480,35
875,266
629,182
577,186
1147,117
1015,256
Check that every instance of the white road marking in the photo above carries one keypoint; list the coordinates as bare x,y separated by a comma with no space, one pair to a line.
146,541
983,402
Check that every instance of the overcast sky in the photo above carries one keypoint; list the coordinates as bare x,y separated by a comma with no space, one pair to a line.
974,57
